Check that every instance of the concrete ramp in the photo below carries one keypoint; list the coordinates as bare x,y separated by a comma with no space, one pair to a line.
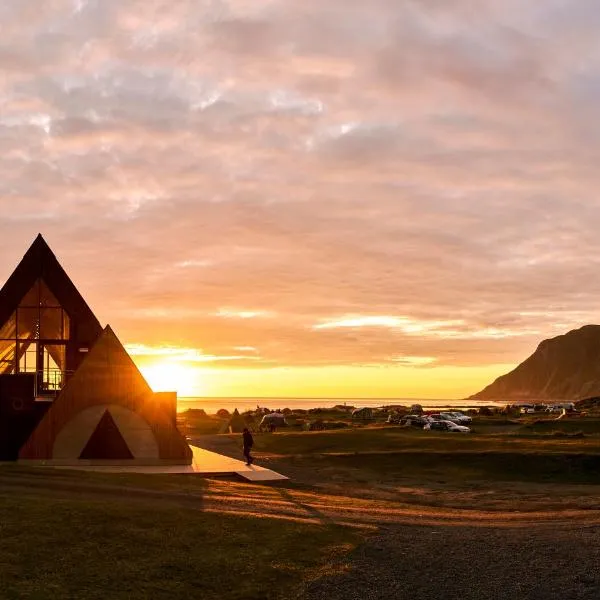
204,463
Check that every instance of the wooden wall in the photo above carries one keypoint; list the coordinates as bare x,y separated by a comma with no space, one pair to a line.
109,376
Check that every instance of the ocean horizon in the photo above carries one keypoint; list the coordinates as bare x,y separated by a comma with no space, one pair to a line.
213,404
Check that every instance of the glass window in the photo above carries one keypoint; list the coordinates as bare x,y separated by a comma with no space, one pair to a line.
34,338
51,324
7,356
9,329
54,367
27,357
28,323
39,295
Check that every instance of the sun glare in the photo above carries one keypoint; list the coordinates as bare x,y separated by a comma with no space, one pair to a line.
172,377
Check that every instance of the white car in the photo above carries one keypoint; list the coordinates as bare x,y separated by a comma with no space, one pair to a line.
446,426
457,417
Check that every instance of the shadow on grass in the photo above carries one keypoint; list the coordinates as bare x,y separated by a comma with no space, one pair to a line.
311,511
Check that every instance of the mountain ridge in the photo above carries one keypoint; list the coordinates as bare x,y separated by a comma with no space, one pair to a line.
565,367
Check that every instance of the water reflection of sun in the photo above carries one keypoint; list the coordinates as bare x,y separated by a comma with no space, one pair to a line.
170,376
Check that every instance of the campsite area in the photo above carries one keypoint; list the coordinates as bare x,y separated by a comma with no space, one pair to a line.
370,506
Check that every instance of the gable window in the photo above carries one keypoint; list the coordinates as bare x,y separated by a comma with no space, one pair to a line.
34,339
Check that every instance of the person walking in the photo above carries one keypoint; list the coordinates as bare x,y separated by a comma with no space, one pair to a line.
248,443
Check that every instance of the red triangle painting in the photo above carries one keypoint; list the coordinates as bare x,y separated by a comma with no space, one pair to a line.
106,443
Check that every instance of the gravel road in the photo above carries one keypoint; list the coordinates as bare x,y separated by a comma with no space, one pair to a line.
470,563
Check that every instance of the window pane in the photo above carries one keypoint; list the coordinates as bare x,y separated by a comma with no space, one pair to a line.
54,366
66,326
51,324
39,295
47,298
27,357
28,325
32,297
7,357
57,357
9,330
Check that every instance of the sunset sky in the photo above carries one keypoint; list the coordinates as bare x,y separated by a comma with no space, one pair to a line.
337,198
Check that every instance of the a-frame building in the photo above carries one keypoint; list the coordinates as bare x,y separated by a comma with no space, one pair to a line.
69,392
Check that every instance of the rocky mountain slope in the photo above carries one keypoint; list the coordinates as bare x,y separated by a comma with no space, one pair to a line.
565,367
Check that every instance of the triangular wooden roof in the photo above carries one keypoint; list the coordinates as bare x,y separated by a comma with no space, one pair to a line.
107,376
40,262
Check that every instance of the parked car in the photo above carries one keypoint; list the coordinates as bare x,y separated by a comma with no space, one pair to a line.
446,426
465,419
456,417
435,417
415,421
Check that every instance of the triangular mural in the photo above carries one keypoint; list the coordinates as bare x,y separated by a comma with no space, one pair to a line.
106,442
108,376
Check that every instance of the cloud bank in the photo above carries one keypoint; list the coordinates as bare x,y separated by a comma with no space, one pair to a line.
326,182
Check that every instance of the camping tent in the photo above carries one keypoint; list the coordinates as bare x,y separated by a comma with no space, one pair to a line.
362,413
236,423
273,420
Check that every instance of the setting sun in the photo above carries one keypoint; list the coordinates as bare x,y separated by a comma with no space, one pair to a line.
170,376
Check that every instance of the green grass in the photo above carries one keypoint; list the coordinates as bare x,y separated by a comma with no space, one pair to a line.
402,439
89,548
191,421
453,468
386,456
587,426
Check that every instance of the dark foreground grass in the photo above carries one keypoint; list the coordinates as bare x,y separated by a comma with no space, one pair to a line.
57,548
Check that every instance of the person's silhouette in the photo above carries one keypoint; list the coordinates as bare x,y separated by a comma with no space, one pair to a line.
248,443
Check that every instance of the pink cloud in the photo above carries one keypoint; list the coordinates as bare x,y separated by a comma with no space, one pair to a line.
434,160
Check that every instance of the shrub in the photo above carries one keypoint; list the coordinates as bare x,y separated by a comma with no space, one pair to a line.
335,425
223,413
196,412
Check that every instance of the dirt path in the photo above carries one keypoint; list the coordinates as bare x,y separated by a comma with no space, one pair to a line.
466,563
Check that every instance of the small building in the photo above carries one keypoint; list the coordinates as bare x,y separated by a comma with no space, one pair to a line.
69,392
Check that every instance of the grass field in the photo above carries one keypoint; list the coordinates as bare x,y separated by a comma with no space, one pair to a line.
69,534
378,456
98,537
394,439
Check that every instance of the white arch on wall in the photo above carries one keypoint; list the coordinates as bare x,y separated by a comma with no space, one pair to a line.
136,432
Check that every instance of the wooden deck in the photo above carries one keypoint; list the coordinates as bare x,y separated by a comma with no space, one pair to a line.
204,463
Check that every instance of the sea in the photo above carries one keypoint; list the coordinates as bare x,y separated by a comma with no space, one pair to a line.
212,405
